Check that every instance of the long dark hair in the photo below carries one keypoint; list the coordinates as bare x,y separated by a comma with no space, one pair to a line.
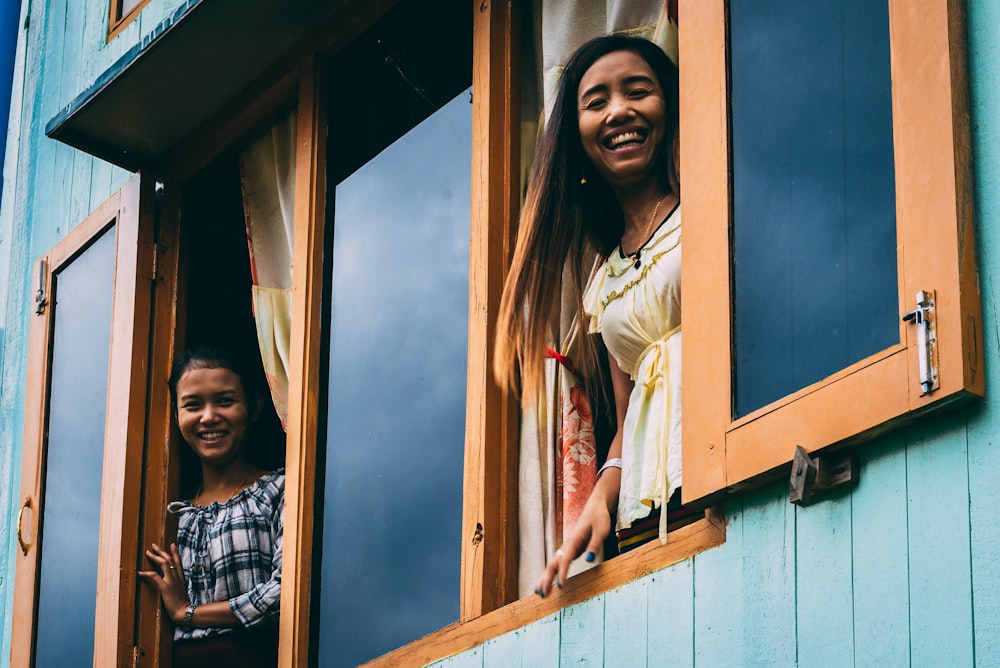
564,222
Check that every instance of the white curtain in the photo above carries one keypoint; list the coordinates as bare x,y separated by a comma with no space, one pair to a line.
554,482
267,171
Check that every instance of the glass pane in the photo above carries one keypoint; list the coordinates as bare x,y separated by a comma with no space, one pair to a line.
81,344
127,6
815,285
398,341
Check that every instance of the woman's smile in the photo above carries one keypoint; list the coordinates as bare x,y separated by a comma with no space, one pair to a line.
622,118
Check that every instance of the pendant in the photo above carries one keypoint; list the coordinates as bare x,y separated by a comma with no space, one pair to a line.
638,259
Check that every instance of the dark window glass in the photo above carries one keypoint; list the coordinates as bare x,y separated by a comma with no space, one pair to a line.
398,335
81,344
815,286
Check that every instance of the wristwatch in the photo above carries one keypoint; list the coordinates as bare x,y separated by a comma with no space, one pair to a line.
188,617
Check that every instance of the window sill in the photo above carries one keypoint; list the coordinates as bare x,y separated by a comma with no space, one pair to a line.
683,543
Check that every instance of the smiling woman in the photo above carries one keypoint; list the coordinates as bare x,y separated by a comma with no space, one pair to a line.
605,182
220,583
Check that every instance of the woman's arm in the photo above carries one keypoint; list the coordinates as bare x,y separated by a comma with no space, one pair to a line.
594,523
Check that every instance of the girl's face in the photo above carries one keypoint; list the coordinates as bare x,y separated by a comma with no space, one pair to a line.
622,118
213,414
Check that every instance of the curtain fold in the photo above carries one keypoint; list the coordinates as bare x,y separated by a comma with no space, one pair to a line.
557,454
267,176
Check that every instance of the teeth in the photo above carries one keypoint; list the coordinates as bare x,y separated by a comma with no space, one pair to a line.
625,138
213,435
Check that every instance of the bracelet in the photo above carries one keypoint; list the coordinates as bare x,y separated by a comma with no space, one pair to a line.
188,617
614,463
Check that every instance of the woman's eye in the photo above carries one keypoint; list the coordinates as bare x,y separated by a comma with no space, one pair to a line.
639,93
596,103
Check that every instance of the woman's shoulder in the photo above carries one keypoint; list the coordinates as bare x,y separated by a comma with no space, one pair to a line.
270,484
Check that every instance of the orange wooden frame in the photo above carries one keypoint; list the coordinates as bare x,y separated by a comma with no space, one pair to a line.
934,232
118,21
125,425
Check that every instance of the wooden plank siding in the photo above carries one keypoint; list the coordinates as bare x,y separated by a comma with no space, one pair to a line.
900,570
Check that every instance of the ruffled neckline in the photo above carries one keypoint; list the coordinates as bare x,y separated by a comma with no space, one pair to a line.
252,489
619,264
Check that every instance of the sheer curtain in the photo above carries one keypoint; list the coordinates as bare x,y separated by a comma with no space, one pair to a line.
558,457
267,174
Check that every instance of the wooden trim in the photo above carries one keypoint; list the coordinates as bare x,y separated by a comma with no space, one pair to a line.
704,156
305,369
682,544
35,425
489,513
161,463
125,429
937,252
117,24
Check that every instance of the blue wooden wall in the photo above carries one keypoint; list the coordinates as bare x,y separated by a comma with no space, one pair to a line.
47,189
903,570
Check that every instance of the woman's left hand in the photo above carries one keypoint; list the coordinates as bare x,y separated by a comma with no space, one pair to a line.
169,580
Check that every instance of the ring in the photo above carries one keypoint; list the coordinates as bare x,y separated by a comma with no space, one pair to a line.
559,554
170,567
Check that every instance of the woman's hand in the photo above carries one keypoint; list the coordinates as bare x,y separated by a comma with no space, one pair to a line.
169,580
587,536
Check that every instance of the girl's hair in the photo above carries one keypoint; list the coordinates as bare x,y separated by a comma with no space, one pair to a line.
565,222
212,356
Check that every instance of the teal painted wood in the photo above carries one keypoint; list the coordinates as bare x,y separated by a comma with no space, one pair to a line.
504,650
939,550
470,659
719,597
823,598
881,568
984,444
768,564
670,614
541,643
581,632
625,625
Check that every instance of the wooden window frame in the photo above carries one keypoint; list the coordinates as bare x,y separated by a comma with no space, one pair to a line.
489,606
118,22
934,231
125,424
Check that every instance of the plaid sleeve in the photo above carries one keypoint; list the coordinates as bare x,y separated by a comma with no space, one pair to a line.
260,604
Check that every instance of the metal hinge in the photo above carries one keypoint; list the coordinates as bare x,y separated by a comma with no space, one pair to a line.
923,318
151,260
41,286
137,654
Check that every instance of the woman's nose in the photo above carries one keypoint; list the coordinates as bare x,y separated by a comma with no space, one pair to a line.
618,108
208,413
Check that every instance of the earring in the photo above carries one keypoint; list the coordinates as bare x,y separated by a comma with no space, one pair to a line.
583,180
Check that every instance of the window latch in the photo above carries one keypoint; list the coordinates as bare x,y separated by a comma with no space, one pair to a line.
815,476
41,286
923,318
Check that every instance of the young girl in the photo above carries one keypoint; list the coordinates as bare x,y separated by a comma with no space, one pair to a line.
605,181
220,583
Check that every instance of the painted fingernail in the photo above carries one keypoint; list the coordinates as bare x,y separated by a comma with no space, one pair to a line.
590,556
559,583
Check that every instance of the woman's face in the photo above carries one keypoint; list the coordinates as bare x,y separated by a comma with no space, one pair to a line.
622,118
213,414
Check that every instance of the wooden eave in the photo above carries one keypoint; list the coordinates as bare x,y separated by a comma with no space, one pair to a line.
205,61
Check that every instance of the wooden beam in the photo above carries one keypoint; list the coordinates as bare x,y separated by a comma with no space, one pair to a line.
304,368
682,544
489,517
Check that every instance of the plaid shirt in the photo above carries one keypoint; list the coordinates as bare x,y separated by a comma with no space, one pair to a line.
232,552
